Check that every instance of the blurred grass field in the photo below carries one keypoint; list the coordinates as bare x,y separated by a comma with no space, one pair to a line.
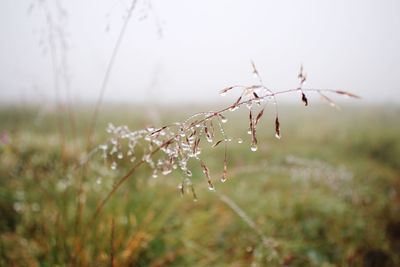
326,194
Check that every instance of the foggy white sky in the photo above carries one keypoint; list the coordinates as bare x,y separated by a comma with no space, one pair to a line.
206,45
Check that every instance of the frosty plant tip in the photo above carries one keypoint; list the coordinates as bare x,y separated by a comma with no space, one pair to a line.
180,142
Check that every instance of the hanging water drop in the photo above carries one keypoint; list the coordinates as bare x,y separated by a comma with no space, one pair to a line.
240,140
233,108
253,147
166,171
120,155
113,165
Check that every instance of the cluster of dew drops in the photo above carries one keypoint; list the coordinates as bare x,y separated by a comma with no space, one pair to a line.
182,141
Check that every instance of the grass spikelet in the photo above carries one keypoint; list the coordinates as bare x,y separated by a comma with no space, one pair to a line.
347,94
277,128
206,172
259,115
304,99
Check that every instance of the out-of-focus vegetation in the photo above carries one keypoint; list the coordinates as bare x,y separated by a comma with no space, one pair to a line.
327,194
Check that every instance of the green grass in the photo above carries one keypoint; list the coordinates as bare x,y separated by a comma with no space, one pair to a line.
327,193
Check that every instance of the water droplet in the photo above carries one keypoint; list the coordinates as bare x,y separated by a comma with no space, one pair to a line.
253,147
223,179
154,175
103,147
166,171
133,159
211,187
278,136
240,140
224,120
189,173
120,155
113,165
98,180
249,131
233,108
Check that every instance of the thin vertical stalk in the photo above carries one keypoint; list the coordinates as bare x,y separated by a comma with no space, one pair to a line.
107,75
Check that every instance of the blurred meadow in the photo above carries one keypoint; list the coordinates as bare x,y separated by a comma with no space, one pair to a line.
116,148
326,194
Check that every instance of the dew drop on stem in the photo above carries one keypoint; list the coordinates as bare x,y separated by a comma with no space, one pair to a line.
253,147
113,165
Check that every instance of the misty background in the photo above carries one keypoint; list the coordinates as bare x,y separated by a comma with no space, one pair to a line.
188,50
